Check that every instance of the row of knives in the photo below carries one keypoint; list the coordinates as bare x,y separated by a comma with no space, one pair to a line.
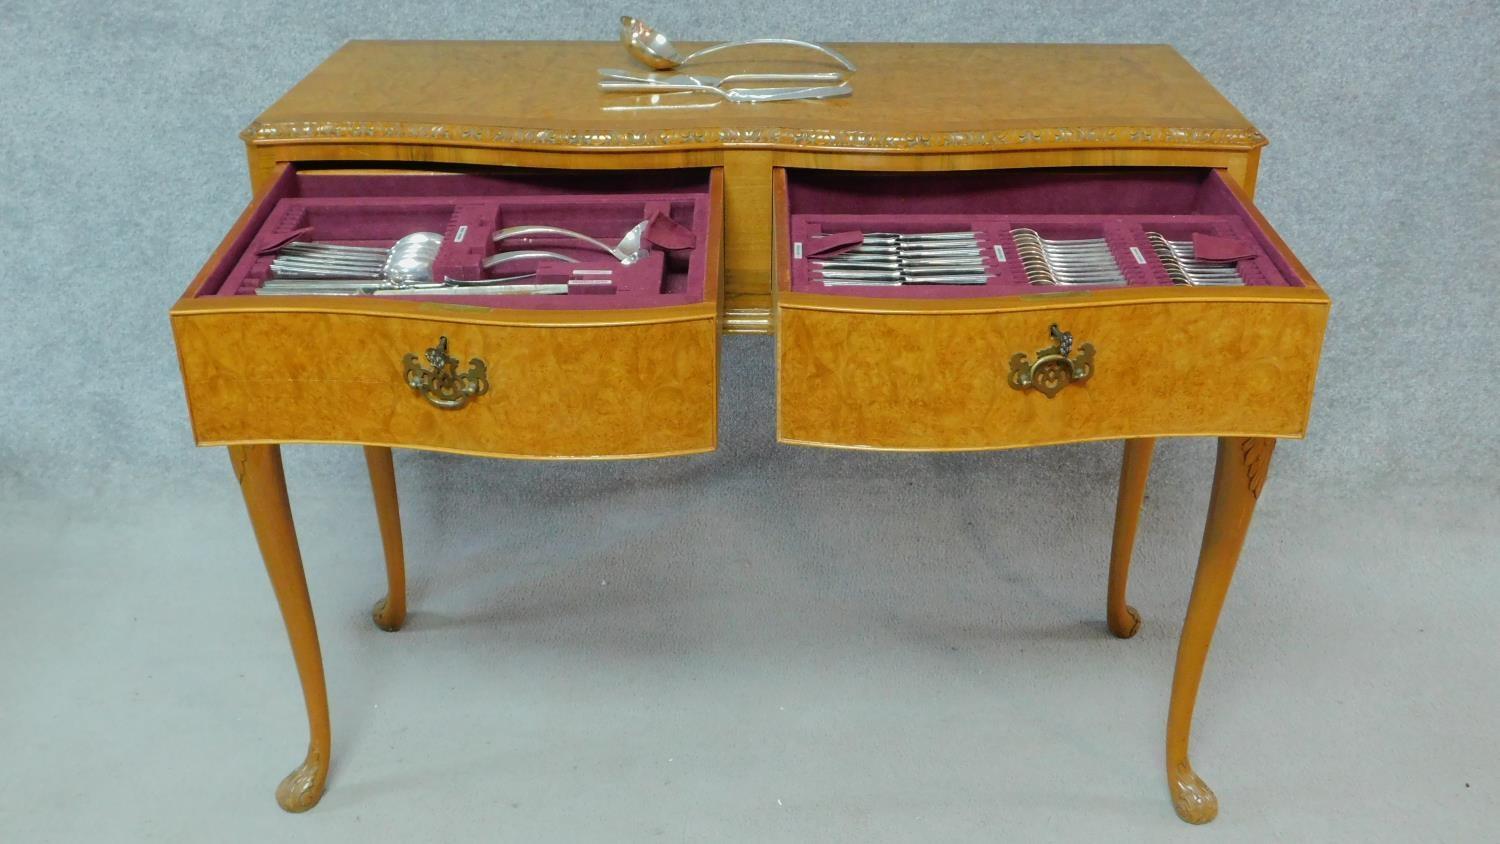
885,259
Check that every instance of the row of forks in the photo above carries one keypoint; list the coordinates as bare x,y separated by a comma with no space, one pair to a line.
1184,267
1085,261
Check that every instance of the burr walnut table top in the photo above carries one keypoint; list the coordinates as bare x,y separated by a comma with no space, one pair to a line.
908,97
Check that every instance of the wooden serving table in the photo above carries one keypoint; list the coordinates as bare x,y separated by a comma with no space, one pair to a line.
1128,131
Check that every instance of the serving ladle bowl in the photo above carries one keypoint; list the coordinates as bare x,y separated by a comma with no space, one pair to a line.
631,248
651,48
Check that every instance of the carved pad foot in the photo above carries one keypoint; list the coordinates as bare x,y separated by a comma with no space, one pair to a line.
1191,797
386,618
303,788
1124,628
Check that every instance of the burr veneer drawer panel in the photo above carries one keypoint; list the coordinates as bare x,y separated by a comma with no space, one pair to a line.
605,390
628,374
1010,362
955,381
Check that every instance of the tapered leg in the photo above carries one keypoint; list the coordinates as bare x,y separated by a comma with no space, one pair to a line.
1238,477
1123,619
258,468
390,611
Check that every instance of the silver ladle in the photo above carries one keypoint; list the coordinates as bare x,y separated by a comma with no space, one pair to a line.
629,250
654,50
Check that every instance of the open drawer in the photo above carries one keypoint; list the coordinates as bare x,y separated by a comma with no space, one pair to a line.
979,365
625,371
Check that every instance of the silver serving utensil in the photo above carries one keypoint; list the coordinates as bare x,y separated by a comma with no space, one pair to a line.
524,255
335,279
730,81
735,95
447,287
630,249
654,50
548,289
409,261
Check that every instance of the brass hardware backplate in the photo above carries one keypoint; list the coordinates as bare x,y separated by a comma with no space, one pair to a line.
443,385
1053,369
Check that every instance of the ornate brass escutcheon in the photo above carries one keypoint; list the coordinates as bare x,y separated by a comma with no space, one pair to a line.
443,385
1053,369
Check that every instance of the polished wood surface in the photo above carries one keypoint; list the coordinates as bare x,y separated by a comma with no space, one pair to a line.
263,483
1239,475
543,95
937,381
1123,619
642,390
390,611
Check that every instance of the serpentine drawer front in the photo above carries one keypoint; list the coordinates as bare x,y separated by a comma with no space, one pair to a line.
1011,363
627,375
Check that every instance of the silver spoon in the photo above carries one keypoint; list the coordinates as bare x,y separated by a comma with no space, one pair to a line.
409,261
654,50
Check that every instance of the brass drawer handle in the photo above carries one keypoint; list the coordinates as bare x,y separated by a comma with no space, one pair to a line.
443,385
1053,369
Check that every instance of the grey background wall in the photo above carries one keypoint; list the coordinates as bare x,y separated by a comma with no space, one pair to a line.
765,643
122,169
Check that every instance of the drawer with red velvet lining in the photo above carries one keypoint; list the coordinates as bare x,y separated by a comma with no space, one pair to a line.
626,371
1013,362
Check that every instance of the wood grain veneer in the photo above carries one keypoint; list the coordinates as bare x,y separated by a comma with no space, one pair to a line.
611,391
914,382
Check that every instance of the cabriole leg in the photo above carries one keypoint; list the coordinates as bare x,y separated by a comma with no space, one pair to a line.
1123,620
390,611
258,468
1238,477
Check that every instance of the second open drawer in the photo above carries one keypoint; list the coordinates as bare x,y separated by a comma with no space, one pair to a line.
1009,364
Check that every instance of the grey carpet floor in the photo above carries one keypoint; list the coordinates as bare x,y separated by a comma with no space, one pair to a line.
765,644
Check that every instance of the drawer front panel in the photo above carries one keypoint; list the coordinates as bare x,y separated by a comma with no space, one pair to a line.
647,389
937,381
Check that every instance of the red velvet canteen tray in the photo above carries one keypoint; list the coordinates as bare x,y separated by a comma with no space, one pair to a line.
364,209
830,211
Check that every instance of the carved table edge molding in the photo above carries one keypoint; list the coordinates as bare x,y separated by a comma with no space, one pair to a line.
829,139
